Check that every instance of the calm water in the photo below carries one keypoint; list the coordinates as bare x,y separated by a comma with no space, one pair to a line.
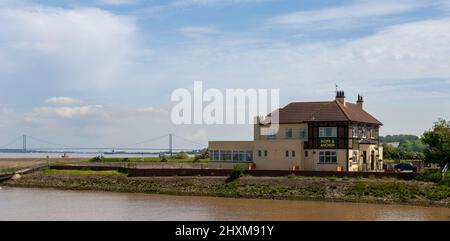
72,155
47,204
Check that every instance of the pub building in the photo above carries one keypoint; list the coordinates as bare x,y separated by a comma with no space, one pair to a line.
313,136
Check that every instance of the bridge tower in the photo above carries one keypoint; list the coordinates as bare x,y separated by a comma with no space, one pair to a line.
24,143
170,144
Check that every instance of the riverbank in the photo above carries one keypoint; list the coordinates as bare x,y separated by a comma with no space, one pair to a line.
10,165
366,190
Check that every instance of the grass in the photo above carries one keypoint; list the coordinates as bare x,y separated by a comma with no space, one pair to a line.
83,172
434,176
148,159
399,191
8,170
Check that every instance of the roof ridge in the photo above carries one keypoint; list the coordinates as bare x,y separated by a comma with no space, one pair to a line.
342,109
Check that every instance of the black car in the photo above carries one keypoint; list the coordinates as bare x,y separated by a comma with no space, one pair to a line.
405,167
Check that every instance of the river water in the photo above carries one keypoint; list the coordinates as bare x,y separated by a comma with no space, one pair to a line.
49,204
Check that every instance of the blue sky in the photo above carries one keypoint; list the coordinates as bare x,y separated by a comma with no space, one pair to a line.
102,71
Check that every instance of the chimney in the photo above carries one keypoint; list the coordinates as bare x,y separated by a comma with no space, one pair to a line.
360,102
340,96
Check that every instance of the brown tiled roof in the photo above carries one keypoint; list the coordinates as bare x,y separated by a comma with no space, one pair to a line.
299,112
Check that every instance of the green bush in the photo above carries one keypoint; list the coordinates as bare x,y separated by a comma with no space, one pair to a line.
197,158
292,176
430,176
237,172
163,159
181,155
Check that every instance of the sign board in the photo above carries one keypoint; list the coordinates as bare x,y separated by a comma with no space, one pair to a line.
327,143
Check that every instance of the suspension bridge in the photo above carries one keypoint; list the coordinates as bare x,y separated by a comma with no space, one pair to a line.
165,143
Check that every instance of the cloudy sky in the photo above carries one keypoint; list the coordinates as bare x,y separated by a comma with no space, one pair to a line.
101,72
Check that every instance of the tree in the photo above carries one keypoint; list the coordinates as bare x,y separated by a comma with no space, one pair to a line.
438,141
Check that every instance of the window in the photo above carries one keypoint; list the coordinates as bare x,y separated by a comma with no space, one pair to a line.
355,132
328,132
364,132
355,157
293,153
304,133
288,133
231,156
272,134
225,155
265,153
372,133
287,153
327,157
306,153
249,156
259,153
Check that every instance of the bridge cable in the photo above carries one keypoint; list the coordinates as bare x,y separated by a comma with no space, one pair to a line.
53,144
194,142
12,142
141,142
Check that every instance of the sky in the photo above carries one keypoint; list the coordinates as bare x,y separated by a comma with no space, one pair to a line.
101,72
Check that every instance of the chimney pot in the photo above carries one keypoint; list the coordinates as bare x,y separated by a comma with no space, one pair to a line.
340,96
360,101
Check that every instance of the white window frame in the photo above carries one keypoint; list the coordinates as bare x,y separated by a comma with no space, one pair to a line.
364,132
323,132
328,157
355,132
355,160
304,133
286,131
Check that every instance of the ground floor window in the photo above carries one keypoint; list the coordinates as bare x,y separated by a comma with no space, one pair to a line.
327,157
231,155
355,157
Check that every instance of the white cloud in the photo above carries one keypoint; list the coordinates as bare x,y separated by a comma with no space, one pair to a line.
183,3
78,48
343,15
116,2
62,100
198,31
63,112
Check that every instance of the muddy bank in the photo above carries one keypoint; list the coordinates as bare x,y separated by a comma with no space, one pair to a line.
8,165
389,191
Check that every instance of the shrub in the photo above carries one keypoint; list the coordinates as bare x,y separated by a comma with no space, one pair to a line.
197,158
181,155
430,176
292,176
163,159
332,178
237,172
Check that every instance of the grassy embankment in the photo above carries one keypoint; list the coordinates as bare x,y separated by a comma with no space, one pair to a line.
172,159
373,190
11,165
83,172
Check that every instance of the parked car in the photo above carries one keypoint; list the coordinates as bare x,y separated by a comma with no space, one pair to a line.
405,167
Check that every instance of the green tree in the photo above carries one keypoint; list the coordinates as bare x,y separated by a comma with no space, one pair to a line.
181,155
438,141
